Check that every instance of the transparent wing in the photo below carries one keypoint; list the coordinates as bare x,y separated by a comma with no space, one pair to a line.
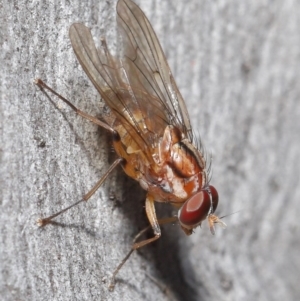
110,79
139,88
142,50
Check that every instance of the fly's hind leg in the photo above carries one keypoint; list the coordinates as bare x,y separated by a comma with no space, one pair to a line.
116,137
116,141
93,119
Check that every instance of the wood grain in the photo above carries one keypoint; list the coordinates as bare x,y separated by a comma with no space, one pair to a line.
237,65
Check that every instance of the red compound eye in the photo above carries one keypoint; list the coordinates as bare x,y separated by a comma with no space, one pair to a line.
214,197
196,209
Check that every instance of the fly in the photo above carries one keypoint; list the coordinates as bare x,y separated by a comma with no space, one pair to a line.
149,122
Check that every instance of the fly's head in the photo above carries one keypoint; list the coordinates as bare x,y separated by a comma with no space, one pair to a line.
199,207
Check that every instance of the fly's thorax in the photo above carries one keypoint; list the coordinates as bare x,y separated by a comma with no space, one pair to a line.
169,186
186,159
182,157
178,170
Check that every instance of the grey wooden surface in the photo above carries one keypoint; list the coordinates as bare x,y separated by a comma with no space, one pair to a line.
237,64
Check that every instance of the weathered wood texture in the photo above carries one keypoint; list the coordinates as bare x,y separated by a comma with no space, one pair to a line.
237,64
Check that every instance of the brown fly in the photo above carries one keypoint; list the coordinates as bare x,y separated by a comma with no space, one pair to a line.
149,122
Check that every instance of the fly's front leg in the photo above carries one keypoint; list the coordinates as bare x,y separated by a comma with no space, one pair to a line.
151,214
155,226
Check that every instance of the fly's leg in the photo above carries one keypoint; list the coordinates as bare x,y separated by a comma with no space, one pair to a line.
116,137
93,119
151,214
154,224
116,141
44,221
